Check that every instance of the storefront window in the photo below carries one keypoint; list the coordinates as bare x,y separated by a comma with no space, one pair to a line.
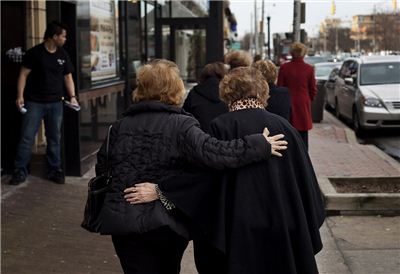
134,48
100,87
103,39
148,30
185,9
190,52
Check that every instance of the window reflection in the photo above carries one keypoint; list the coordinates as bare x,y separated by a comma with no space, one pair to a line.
190,52
148,30
188,9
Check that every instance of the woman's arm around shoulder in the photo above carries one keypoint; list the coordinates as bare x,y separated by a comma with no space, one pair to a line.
200,148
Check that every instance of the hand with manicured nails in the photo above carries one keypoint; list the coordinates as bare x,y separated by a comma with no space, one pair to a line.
276,142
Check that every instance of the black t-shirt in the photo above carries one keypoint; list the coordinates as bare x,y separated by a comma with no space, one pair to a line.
45,82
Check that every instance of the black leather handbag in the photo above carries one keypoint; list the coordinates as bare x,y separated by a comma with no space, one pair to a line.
97,189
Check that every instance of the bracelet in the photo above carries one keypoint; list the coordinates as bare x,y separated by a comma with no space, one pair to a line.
73,96
164,201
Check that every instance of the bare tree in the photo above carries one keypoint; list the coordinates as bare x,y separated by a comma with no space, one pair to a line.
386,31
246,41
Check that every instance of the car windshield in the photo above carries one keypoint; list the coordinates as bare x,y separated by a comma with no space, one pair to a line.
380,73
321,71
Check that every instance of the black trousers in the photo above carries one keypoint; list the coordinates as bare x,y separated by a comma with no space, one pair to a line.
207,258
304,137
156,252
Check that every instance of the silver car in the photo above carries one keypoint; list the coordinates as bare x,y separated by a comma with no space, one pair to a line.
367,92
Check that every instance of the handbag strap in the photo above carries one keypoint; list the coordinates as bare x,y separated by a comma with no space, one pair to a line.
107,149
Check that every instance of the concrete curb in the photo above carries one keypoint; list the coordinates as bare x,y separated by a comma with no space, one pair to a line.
359,203
385,157
350,136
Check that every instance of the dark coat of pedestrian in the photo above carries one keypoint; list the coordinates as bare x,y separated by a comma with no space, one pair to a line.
203,100
299,78
279,97
154,141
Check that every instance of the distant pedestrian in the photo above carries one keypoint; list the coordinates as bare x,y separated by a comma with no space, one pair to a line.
203,100
299,78
46,69
256,58
279,97
239,58
154,141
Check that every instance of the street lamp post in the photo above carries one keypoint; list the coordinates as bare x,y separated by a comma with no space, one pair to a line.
269,37
296,20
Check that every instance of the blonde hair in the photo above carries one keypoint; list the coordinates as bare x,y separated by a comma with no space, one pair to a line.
298,49
159,80
237,59
243,83
267,69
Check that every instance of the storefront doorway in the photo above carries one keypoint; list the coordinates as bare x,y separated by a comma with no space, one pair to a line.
191,34
12,47
186,47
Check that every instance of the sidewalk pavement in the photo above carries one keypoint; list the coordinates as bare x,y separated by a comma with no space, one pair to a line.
41,230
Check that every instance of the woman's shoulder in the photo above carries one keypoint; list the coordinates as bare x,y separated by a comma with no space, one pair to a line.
276,89
184,120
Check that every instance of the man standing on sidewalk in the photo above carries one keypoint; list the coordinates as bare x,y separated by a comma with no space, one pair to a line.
45,69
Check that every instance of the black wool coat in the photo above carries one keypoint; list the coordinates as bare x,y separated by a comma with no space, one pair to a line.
279,101
265,216
204,103
155,141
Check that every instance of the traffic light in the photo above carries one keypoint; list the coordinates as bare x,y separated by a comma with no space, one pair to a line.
333,8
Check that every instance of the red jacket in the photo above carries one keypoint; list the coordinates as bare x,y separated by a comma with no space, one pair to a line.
299,78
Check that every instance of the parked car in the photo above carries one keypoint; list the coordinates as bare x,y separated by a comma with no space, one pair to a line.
322,71
367,92
312,60
329,88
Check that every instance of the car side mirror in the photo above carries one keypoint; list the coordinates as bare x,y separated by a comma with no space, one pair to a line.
349,81
332,79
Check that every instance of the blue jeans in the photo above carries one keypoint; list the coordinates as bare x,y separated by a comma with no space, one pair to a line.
52,114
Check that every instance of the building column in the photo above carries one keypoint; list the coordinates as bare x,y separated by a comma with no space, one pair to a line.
35,28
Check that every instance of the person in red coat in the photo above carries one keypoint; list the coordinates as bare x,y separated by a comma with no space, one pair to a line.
299,78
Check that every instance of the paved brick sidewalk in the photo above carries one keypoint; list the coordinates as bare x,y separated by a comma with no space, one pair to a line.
335,152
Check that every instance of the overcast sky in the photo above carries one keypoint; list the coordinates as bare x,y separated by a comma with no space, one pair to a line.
281,12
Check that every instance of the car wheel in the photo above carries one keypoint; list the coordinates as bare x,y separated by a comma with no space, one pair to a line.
337,110
358,130
327,106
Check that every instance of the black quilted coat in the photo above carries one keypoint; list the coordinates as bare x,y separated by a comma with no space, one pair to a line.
153,142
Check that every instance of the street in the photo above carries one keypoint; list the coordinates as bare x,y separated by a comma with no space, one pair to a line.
388,140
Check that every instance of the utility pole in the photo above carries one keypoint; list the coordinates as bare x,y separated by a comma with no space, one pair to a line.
374,37
262,34
269,37
252,47
336,37
296,20
255,28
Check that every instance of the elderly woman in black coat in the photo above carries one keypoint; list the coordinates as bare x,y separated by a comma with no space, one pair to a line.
155,141
279,97
203,100
263,218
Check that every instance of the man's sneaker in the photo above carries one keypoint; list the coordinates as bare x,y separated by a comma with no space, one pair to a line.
56,176
17,177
